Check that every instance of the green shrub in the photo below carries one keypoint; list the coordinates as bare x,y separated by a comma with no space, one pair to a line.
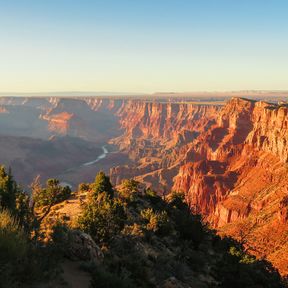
84,187
156,221
102,218
13,242
53,193
129,189
8,189
102,184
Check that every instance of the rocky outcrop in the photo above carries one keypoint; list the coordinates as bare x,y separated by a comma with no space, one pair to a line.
156,136
247,138
81,246
283,210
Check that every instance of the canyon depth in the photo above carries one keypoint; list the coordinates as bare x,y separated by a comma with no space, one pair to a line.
229,159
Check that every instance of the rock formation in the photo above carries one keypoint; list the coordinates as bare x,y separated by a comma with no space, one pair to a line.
230,161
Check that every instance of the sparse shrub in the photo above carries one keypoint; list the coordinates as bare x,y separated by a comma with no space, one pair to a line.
243,257
156,221
53,193
23,211
59,236
133,230
84,187
188,226
150,193
176,200
129,189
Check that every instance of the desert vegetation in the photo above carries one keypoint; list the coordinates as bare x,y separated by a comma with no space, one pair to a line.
133,238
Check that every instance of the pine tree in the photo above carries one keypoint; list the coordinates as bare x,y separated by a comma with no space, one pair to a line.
8,189
102,184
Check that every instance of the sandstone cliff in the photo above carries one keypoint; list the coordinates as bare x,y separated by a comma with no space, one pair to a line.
230,161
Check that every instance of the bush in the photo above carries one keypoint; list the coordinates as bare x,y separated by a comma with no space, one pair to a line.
84,187
102,184
13,248
102,218
156,221
133,230
129,189
13,242
52,194
8,189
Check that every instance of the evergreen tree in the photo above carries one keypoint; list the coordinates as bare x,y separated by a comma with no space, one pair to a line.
102,218
52,193
129,189
8,189
102,184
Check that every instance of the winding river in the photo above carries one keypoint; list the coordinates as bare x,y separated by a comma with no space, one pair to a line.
100,157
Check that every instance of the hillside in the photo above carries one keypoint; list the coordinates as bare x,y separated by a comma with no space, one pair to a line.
123,236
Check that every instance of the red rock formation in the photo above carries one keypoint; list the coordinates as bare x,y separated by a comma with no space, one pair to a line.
157,136
247,183
59,123
230,162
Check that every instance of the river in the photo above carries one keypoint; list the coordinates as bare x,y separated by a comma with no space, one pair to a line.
100,157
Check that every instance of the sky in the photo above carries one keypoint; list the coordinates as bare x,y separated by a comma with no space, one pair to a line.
143,46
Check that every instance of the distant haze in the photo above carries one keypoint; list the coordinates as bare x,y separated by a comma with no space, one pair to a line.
241,93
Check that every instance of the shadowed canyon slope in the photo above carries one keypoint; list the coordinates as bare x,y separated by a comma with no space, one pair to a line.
230,161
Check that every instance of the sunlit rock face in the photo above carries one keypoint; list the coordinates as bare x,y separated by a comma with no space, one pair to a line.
230,161
242,183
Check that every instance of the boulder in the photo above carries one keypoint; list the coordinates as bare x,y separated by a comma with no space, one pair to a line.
81,246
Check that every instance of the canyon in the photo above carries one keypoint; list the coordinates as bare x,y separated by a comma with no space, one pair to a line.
229,158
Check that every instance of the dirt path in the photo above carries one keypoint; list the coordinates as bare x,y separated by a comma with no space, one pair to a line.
74,276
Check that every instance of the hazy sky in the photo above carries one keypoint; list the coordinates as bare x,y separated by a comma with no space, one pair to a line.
143,45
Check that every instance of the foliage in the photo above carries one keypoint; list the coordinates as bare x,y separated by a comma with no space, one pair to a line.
102,218
240,254
150,193
13,244
133,230
156,239
157,222
53,193
238,269
176,200
8,189
102,184
145,242
189,228
21,261
84,187
129,189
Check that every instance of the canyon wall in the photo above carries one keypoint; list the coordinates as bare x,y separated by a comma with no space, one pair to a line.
230,161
